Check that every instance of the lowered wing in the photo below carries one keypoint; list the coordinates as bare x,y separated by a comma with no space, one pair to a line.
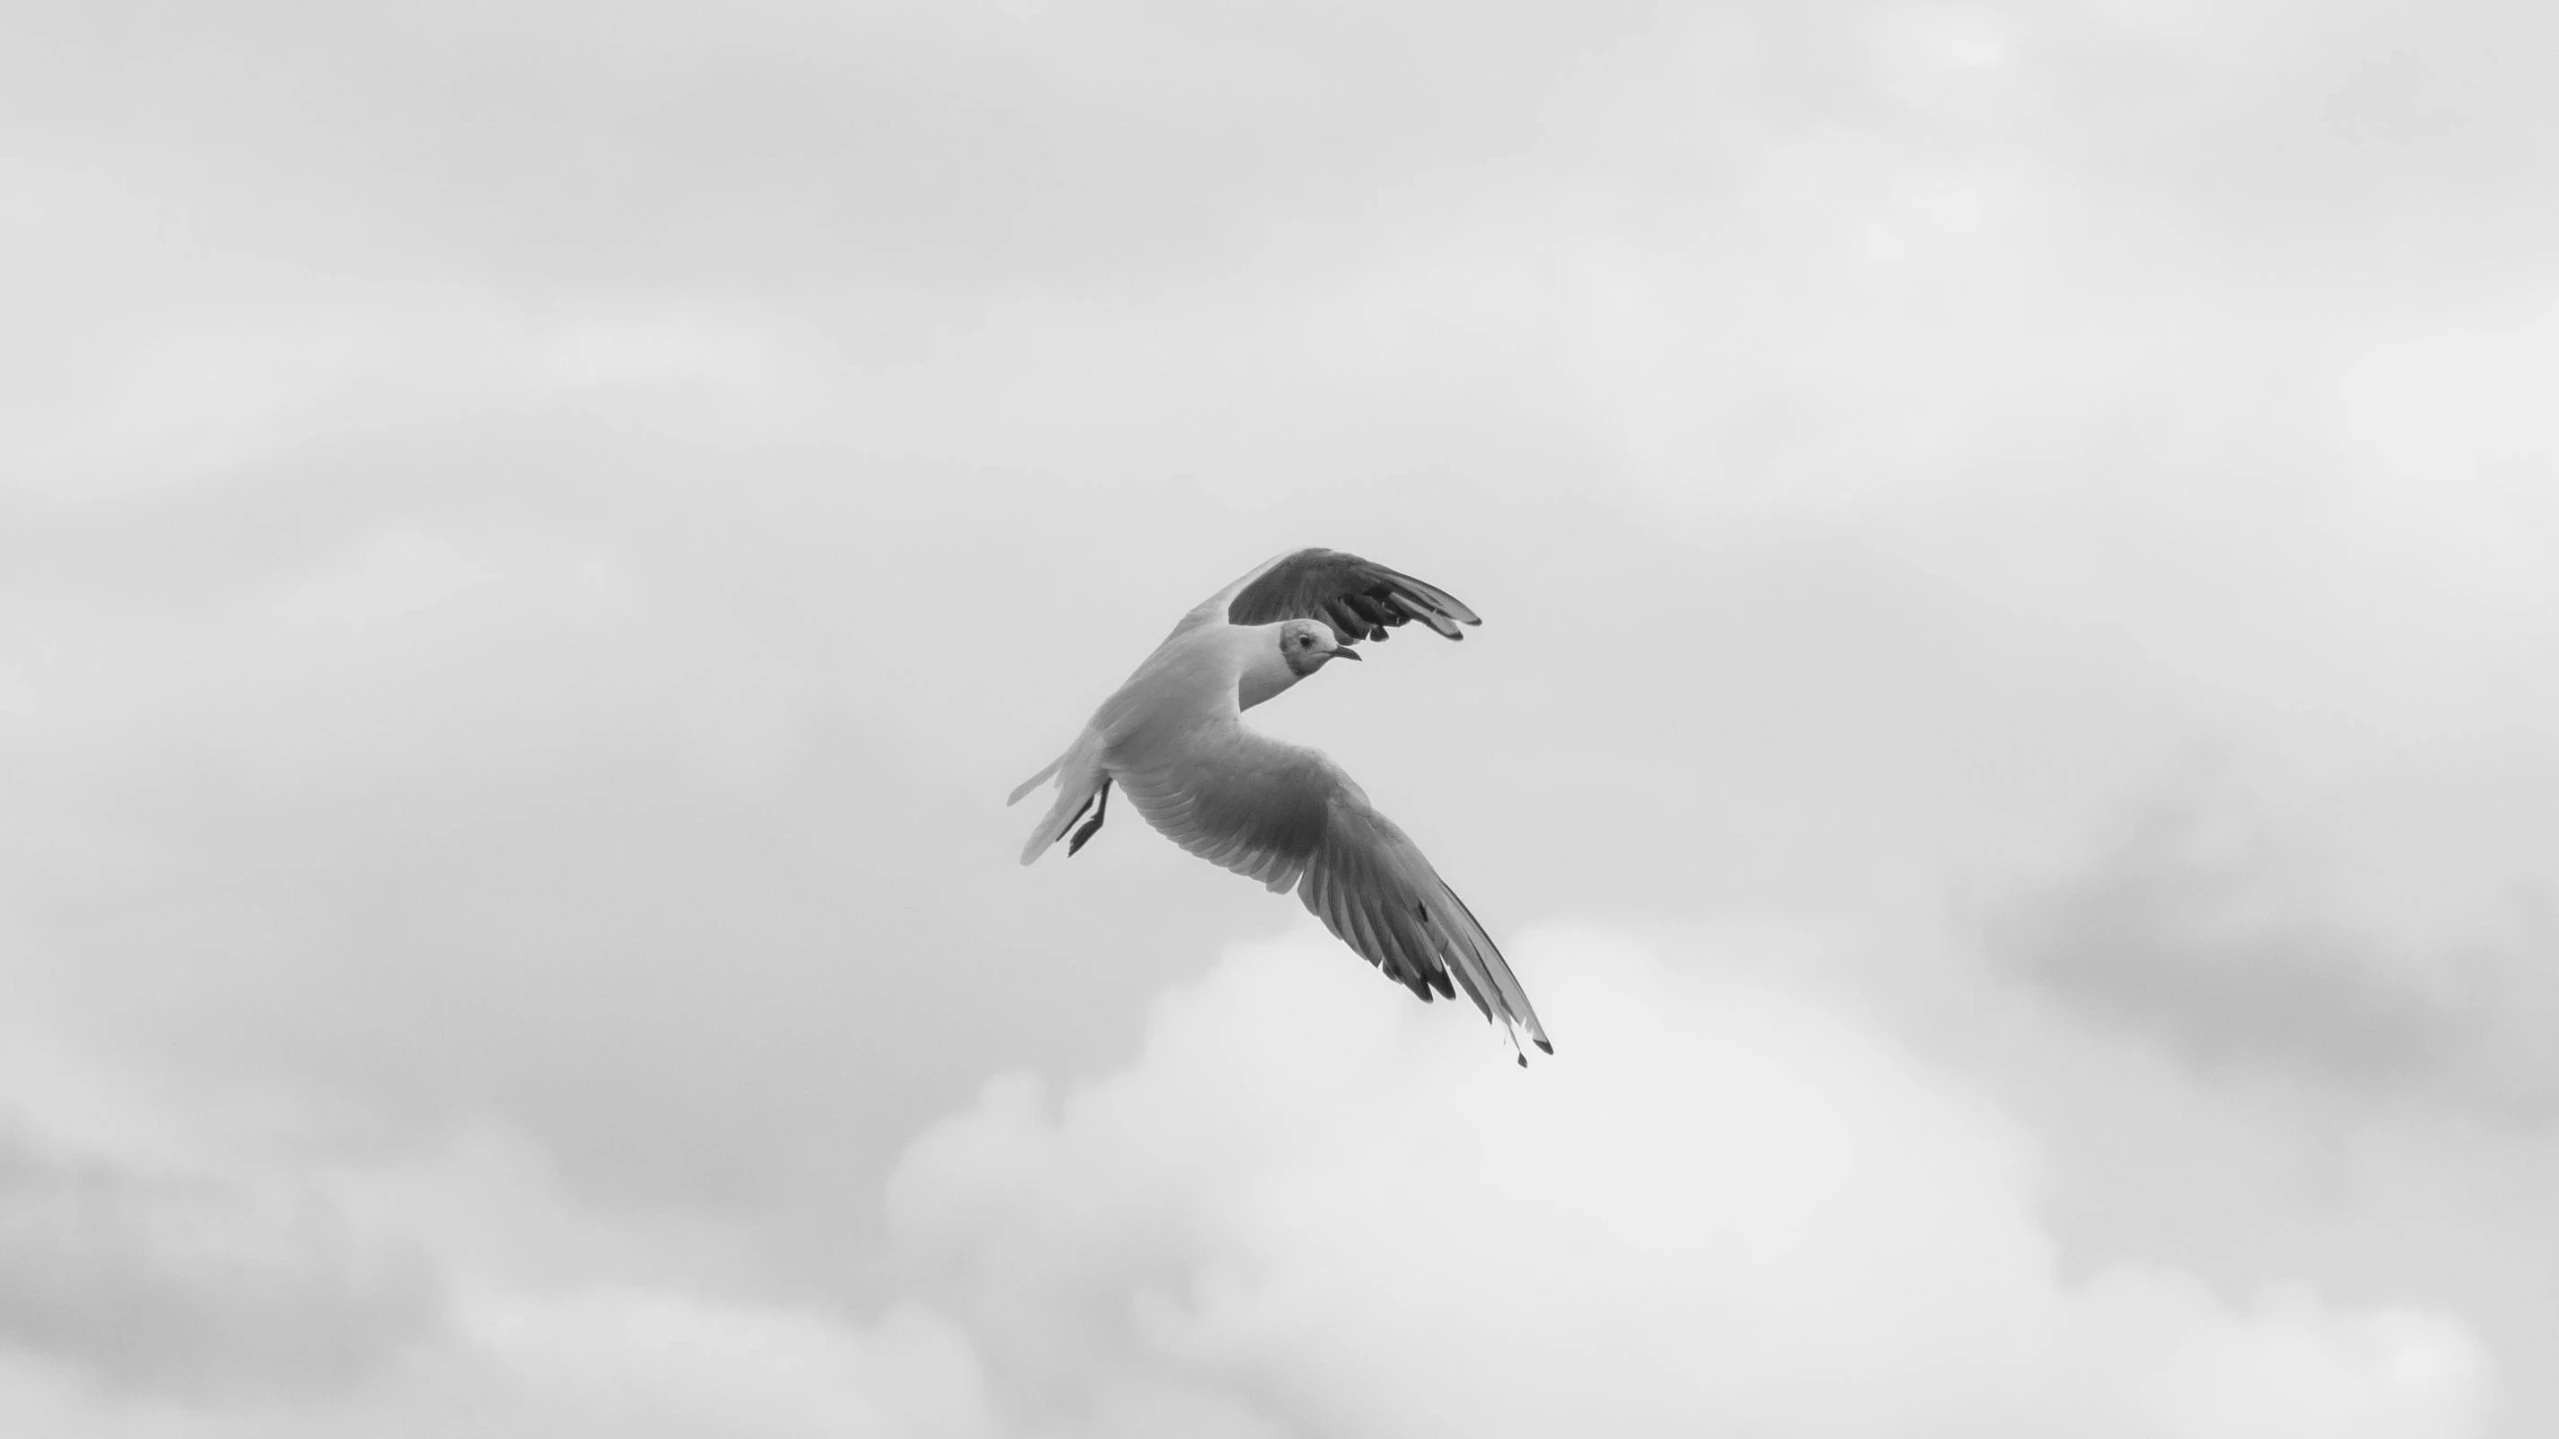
1287,816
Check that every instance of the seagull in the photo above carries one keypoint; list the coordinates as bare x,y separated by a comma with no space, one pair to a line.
1173,737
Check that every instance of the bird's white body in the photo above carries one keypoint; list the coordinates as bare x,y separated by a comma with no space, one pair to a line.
1199,681
1174,739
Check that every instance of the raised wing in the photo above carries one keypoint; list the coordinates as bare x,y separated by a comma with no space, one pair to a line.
1360,599
1289,817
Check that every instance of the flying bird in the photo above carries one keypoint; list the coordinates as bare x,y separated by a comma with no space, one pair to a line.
1173,737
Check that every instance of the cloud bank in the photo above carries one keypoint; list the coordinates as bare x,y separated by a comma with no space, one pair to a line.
1726,1207
1736,1203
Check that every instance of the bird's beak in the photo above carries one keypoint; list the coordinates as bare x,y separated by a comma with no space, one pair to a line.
1345,652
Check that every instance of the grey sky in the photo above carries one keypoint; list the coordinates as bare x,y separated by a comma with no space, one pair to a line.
533,542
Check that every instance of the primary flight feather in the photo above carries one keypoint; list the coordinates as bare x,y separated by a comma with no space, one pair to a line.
1173,737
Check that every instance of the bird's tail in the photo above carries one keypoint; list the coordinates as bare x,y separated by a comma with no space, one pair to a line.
1079,782
1034,782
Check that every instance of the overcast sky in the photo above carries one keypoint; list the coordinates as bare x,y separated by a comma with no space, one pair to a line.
2014,742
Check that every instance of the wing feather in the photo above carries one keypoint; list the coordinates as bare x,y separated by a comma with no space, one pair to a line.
1287,816
1359,598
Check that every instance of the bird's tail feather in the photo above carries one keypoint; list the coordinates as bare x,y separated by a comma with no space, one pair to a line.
1034,782
1079,779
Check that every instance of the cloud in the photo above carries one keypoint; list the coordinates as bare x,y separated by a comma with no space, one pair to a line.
455,1289
194,1284
1302,1207
2216,926
633,1360
605,1361
1724,1205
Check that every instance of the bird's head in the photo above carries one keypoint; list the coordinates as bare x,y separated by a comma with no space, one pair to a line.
1307,644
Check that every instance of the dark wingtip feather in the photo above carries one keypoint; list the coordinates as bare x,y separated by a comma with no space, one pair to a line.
1542,1044
1351,594
1523,1061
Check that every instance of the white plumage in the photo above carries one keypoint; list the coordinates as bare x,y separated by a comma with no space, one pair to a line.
1173,737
